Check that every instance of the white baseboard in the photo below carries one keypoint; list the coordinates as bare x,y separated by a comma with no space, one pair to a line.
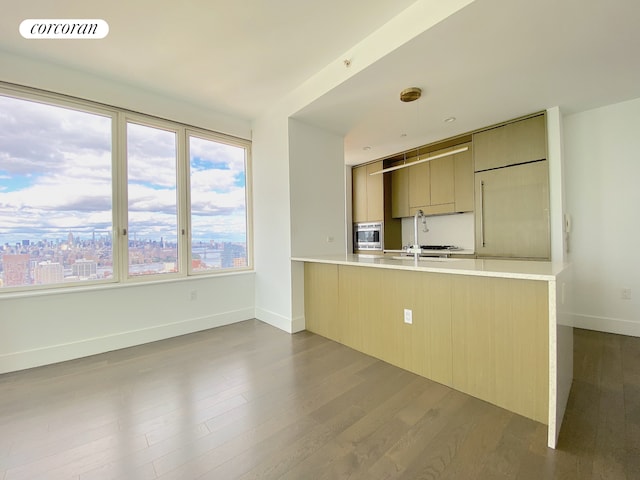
609,325
91,346
280,321
298,324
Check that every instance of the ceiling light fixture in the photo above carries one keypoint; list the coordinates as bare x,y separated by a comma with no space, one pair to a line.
410,94
449,119
421,160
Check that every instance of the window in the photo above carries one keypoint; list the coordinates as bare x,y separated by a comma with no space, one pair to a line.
55,194
92,194
218,205
152,200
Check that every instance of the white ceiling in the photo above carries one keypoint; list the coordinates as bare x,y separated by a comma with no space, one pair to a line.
234,56
491,61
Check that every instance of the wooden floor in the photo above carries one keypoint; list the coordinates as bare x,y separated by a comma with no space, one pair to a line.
248,401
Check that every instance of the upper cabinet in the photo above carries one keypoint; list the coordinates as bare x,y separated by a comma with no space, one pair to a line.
419,186
463,181
511,144
443,185
400,193
368,193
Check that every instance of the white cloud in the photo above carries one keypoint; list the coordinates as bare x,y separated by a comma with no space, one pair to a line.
56,174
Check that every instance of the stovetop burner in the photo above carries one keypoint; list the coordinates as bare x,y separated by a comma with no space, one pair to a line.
438,247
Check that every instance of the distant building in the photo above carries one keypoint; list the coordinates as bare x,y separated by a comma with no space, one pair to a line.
48,272
240,262
85,269
234,255
16,270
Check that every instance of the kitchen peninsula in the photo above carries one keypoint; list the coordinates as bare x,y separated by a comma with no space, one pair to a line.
493,329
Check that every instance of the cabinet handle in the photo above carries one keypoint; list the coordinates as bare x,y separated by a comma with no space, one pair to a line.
482,212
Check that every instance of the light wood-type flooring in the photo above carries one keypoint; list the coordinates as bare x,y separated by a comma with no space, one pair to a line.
248,401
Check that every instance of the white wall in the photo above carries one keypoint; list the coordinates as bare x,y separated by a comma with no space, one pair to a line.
299,201
271,221
318,202
602,148
557,204
51,77
40,329
317,172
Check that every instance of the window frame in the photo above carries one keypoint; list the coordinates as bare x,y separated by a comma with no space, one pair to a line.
120,118
123,244
219,138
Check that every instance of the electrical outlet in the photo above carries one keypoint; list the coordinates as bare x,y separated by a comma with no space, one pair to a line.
625,293
408,316
193,295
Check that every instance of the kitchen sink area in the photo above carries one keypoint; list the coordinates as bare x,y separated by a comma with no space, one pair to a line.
426,258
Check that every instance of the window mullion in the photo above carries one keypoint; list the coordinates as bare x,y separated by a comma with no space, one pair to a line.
184,242
120,222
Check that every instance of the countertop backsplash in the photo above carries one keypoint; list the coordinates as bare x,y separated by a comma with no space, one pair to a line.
455,229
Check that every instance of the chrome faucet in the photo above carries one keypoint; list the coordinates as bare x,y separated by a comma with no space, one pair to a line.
415,249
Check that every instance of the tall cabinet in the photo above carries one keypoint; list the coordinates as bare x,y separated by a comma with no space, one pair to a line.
512,191
368,193
371,197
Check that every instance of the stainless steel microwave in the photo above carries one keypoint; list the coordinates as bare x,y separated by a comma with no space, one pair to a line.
368,236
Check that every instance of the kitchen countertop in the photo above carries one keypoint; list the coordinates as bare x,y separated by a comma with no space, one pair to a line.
521,269
425,251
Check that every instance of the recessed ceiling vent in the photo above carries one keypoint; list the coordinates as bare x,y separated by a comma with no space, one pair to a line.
410,94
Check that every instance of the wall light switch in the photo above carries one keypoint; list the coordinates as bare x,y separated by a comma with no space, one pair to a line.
408,316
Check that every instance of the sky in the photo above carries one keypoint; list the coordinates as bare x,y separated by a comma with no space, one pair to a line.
56,178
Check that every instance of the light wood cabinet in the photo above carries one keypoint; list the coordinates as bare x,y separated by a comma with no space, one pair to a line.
431,186
359,310
368,193
442,181
511,144
423,347
463,180
500,332
419,185
512,212
359,191
440,186
400,193
484,336
367,315
321,300
372,202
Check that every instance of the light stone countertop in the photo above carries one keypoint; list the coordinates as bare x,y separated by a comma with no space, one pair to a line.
520,269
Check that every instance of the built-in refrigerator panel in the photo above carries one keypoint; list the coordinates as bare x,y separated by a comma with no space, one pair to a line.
512,212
